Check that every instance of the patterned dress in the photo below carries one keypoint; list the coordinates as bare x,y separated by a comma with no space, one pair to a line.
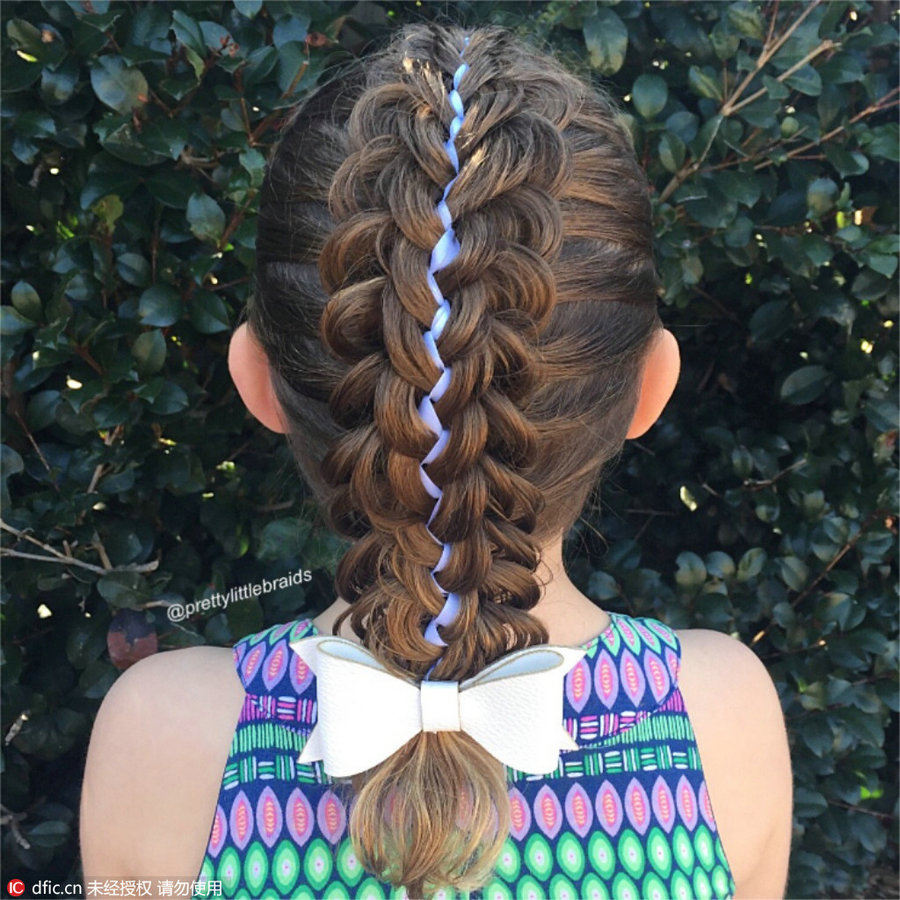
625,816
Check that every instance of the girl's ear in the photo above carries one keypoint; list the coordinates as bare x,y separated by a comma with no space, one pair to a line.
660,375
249,369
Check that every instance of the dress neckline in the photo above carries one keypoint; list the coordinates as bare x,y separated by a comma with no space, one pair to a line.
604,636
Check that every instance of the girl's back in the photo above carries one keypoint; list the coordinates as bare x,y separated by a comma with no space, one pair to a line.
165,740
454,323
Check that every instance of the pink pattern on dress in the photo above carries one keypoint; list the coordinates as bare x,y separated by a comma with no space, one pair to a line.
219,831
672,664
609,808
657,676
663,804
331,816
628,635
578,685
252,662
687,803
637,806
300,673
280,631
606,679
633,680
705,805
548,812
579,813
241,820
519,814
299,817
269,817
275,664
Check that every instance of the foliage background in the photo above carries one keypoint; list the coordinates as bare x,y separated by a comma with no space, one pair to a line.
763,504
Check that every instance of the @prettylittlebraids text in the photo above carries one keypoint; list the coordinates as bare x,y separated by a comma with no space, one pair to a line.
178,612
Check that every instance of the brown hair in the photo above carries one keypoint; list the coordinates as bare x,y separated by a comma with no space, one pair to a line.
553,306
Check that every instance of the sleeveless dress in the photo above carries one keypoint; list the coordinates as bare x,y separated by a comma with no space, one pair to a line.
626,816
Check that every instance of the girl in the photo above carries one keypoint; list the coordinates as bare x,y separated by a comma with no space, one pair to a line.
455,326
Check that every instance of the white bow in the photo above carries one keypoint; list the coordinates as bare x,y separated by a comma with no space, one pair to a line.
513,707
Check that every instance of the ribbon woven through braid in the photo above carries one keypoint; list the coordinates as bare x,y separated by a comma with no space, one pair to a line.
444,252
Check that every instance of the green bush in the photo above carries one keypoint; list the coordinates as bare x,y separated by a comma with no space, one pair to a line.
763,504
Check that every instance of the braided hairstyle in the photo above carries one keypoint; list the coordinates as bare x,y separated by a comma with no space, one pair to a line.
551,307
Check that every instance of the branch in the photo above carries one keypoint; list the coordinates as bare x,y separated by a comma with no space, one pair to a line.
11,820
768,51
879,105
37,449
825,45
753,485
65,559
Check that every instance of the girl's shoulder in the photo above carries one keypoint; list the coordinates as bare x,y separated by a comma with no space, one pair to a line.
160,739
736,716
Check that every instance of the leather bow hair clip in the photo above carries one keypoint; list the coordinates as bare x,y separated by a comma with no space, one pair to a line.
513,707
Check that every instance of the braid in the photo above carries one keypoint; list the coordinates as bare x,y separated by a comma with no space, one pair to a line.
486,508
470,410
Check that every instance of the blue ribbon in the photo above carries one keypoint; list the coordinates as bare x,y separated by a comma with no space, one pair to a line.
444,252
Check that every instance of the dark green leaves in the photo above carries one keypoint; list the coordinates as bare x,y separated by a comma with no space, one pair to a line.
159,305
124,589
205,217
746,20
805,384
149,351
208,313
649,94
606,39
117,85
704,82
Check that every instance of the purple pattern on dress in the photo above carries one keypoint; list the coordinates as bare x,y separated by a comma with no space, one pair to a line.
632,678
650,638
672,664
299,817
269,816
606,679
686,801
629,636
252,662
240,822
663,804
301,674
578,685
519,814
609,808
331,816
657,676
637,806
219,832
280,631
275,664
705,806
579,810
548,812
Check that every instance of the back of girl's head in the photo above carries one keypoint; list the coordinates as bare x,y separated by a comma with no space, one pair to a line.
553,306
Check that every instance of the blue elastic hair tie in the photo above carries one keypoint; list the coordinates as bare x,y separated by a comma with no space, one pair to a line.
444,252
